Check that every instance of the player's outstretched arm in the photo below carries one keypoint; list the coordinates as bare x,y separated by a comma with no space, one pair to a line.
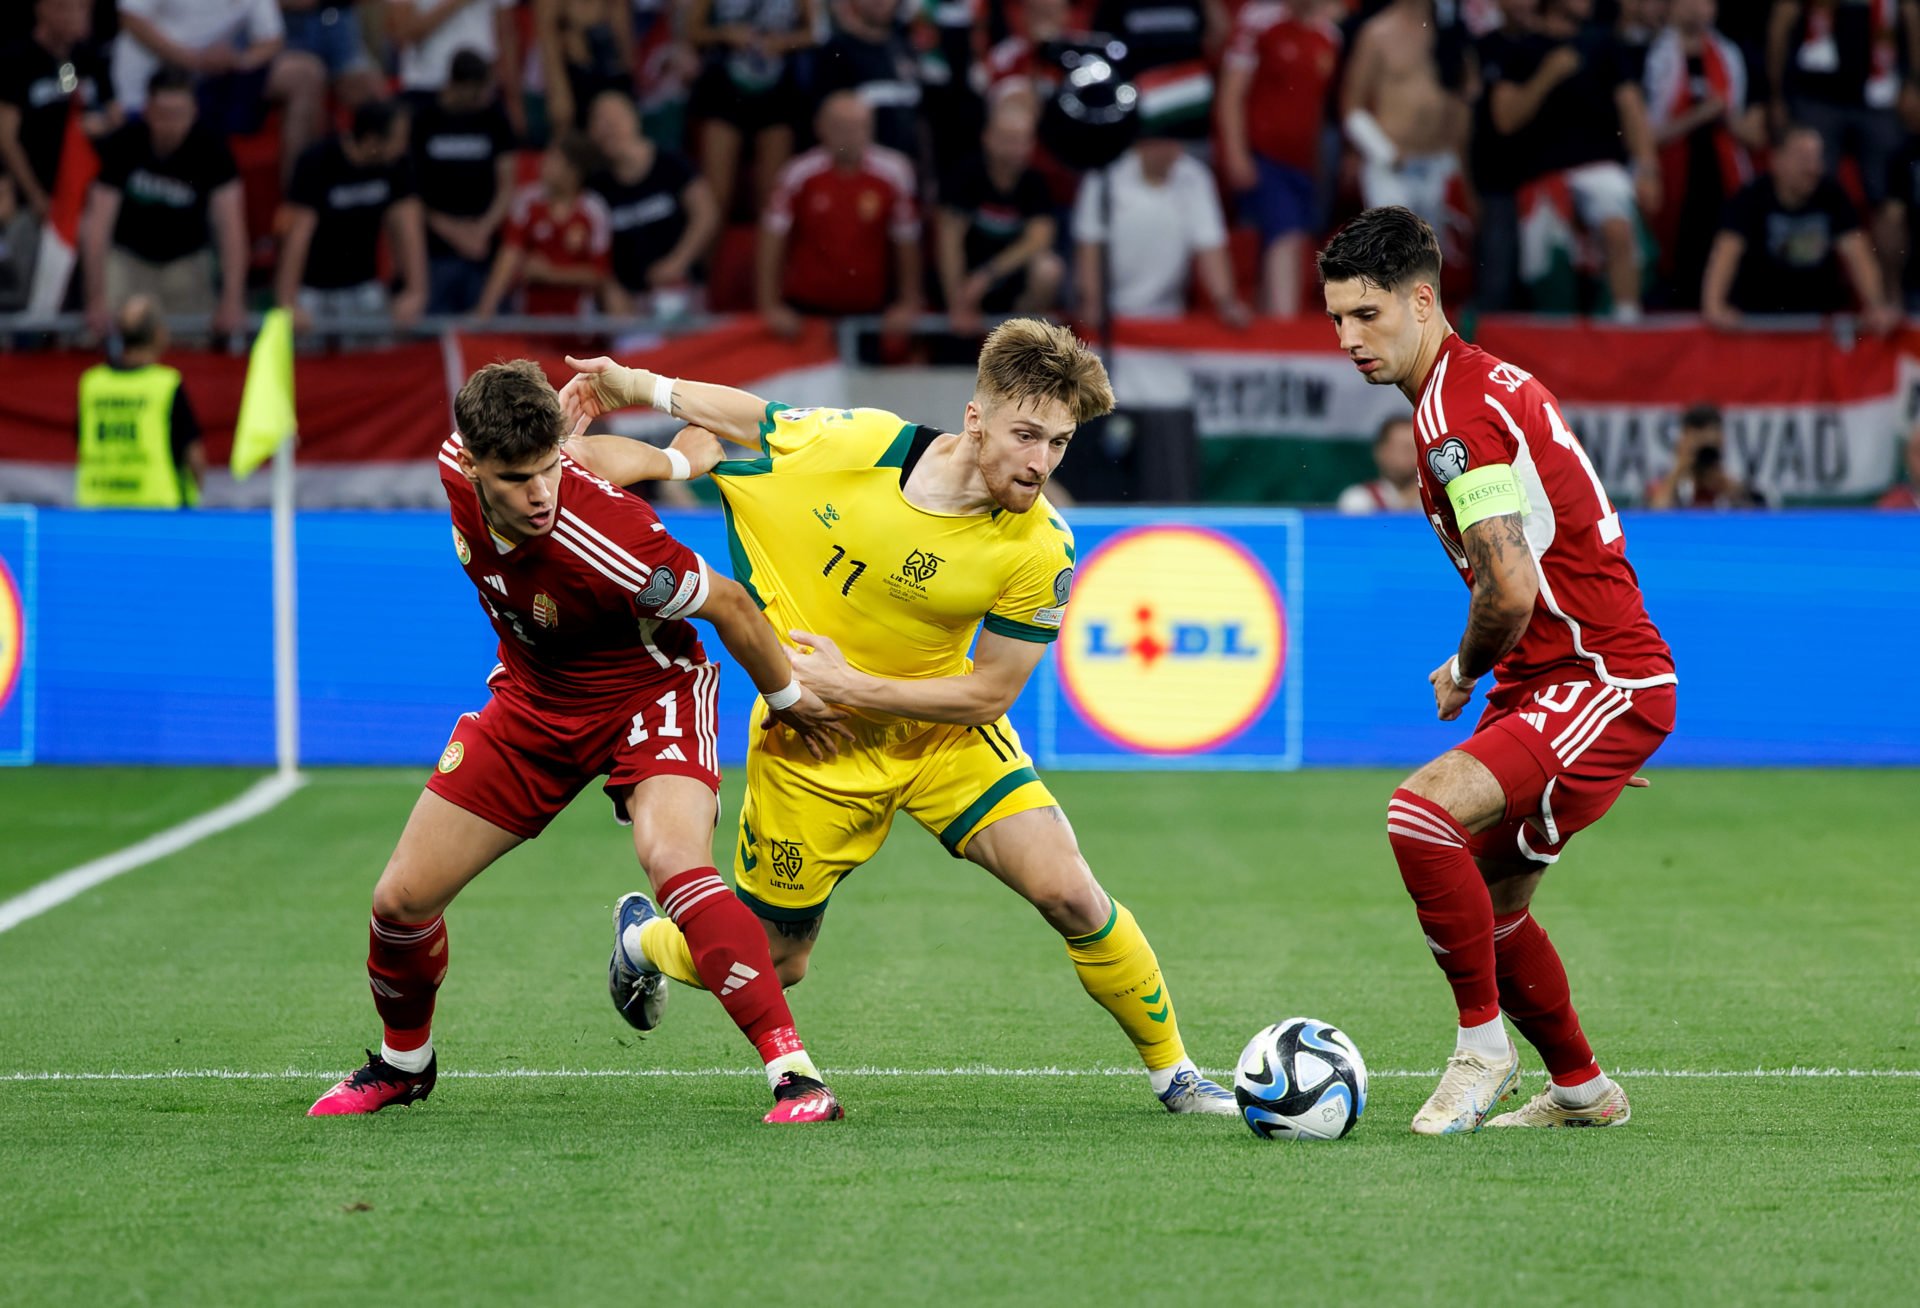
743,629
1001,666
1505,585
626,462
600,386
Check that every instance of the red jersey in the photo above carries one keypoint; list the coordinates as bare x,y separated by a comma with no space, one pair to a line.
841,226
582,237
593,609
1476,411
1293,63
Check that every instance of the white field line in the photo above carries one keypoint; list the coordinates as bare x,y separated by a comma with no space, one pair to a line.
696,1073
57,890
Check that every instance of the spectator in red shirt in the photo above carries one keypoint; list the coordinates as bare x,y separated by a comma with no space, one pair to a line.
842,218
558,241
1279,63
1907,494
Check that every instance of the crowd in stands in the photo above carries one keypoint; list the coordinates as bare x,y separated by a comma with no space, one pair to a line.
1737,158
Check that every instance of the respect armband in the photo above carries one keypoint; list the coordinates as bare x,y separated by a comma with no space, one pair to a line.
1485,493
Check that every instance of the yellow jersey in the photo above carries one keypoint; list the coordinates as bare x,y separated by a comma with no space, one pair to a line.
824,538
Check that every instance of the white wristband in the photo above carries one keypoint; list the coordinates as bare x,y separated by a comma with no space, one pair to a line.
784,698
663,393
682,470
1459,682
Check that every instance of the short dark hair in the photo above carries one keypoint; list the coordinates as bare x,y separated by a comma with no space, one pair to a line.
469,68
374,119
1386,247
510,412
1701,415
169,77
578,151
140,323
1386,428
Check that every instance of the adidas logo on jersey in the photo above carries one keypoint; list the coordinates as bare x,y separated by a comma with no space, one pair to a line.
1538,721
737,976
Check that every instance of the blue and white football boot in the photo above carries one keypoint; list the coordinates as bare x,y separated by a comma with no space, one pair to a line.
639,990
1193,1093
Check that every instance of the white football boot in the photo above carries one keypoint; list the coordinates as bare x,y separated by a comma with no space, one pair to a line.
1468,1091
1542,1110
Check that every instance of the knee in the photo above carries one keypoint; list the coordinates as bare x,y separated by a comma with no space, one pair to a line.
396,900
791,970
298,75
1073,910
1045,272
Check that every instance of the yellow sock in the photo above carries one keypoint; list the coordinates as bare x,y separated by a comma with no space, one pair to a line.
666,948
1117,967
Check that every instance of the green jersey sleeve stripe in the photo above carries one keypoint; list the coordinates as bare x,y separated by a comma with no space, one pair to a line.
1000,626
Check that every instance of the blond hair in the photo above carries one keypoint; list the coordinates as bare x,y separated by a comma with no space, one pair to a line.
1028,359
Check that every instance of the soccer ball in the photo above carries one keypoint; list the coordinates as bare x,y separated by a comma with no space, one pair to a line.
1301,1079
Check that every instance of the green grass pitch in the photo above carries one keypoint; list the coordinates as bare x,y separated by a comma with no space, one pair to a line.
1721,922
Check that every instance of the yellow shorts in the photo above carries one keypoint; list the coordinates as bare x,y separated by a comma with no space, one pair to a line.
807,824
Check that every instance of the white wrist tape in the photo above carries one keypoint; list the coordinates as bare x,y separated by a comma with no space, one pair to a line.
1459,682
682,470
663,394
1369,138
785,697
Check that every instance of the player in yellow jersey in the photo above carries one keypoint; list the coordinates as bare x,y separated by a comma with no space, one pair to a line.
882,547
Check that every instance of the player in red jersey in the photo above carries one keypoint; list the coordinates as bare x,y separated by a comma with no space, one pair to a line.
1583,685
599,674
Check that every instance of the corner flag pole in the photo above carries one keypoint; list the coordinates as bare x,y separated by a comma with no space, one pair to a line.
286,641
266,427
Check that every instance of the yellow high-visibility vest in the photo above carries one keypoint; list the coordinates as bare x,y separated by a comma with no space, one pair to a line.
126,440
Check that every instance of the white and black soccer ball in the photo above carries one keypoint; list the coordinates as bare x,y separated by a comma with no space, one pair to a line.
1301,1079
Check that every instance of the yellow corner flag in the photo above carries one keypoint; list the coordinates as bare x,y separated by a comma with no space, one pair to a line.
266,403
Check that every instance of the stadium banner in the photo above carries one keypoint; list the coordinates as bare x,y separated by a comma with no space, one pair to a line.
1268,639
19,622
1281,414
370,420
1284,413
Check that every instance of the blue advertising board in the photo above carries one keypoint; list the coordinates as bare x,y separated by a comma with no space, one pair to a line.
1267,639
18,628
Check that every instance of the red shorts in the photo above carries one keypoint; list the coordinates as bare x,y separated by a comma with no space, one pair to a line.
517,764
1562,748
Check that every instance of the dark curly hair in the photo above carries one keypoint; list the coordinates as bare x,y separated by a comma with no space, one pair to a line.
1386,247
509,412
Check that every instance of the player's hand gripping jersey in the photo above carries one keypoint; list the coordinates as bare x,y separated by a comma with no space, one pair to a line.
825,539
1491,440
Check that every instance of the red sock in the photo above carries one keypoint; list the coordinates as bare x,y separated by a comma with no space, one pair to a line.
406,962
729,950
1452,900
1534,993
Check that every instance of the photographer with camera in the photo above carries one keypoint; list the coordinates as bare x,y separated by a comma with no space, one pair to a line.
1699,478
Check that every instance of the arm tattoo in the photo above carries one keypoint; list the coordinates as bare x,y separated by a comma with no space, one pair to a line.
1492,548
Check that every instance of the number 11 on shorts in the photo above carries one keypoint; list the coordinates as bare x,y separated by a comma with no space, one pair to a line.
669,706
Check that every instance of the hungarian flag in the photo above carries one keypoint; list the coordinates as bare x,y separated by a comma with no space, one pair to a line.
60,238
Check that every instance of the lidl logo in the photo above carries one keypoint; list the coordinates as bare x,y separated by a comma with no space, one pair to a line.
1175,641
13,635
